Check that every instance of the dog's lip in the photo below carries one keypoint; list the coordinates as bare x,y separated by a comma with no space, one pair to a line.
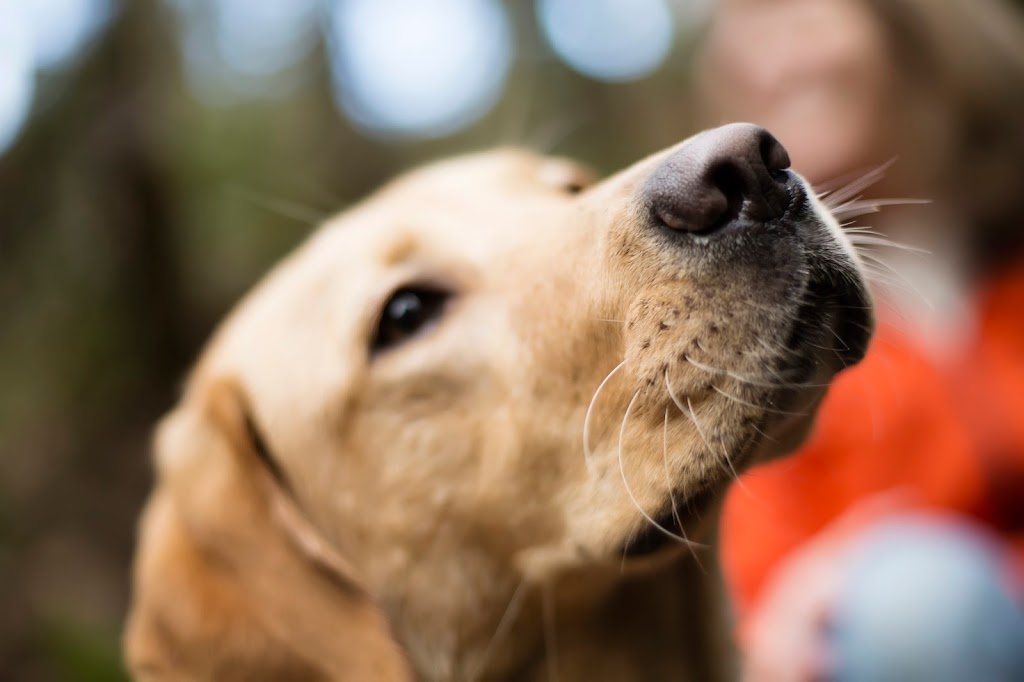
855,323
685,516
845,309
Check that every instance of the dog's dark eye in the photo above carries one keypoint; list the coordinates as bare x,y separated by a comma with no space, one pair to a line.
406,313
564,176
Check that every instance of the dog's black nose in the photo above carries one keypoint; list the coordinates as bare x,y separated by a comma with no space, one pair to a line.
719,177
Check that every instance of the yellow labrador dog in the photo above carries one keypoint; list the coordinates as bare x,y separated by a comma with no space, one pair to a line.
478,427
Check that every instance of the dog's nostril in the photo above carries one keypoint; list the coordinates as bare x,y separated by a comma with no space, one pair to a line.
698,214
773,154
727,179
718,177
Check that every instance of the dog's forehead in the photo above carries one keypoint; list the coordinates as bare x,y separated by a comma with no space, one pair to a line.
500,170
469,207
472,221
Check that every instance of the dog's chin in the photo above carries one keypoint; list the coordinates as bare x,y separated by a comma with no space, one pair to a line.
688,518
830,334
686,524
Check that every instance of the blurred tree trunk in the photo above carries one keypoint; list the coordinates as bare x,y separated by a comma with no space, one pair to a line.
95,339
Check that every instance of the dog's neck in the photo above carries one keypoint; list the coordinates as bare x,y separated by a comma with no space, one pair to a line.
667,623
670,625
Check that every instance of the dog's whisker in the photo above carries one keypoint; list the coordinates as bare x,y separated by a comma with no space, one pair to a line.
835,197
850,216
858,325
843,343
515,124
622,474
625,548
550,136
688,412
861,229
668,472
748,380
671,489
672,394
876,260
830,349
692,415
587,451
877,275
850,307
860,207
773,410
758,429
871,240
505,623
774,349
886,291
286,208
890,201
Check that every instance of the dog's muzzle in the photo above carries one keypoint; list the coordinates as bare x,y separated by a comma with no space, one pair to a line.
725,201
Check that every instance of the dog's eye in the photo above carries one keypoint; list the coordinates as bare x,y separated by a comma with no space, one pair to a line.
565,177
406,313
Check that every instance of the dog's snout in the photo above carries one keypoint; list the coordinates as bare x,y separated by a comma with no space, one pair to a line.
718,177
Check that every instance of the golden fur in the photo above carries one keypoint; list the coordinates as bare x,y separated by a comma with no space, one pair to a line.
429,512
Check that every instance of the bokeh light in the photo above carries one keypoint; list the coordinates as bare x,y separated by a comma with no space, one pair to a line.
264,37
17,72
37,36
416,68
61,29
609,40
245,47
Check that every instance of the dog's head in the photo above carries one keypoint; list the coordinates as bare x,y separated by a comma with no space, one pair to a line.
495,371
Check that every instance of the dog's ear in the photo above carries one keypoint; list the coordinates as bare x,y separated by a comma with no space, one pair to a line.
231,581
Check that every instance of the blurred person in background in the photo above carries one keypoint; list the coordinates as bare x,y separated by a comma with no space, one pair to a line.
834,575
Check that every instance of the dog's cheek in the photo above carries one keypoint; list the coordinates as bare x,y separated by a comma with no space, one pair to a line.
671,323
694,334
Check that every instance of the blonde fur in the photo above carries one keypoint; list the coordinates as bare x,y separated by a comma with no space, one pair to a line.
430,511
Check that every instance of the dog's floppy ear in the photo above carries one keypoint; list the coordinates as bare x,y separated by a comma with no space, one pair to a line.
231,581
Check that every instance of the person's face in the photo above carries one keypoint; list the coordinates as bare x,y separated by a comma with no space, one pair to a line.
816,73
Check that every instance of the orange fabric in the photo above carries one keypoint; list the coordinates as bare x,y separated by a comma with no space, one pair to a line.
951,437
991,383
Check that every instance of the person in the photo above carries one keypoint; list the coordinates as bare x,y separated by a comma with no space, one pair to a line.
916,466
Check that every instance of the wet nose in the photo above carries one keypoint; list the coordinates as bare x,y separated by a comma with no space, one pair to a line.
725,176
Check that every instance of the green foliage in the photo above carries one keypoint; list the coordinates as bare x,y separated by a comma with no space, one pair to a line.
77,653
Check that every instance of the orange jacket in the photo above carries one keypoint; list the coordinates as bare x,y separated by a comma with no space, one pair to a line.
950,437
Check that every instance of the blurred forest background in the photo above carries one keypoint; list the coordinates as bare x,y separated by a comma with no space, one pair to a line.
157,156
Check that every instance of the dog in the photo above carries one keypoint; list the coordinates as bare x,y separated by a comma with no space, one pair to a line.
479,426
